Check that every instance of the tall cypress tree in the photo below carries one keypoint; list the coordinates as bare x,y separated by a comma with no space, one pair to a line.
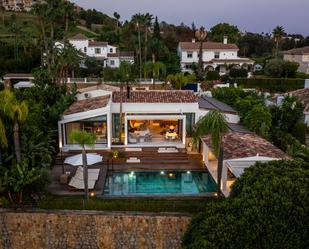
156,29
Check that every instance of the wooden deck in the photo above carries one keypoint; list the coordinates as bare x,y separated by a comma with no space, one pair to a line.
150,160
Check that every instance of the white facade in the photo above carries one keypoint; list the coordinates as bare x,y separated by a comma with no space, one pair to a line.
134,111
101,51
301,59
215,56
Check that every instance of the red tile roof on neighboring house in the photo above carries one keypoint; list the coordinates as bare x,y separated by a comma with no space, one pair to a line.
97,44
174,96
298,51
241,145
303,97
121,54
87,105
208,46
79,37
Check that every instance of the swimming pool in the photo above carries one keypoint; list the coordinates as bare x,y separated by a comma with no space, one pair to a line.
159,183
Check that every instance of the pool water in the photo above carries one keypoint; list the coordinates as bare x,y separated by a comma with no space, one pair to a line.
159,183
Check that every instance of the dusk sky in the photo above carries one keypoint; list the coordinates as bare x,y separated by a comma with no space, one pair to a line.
248,15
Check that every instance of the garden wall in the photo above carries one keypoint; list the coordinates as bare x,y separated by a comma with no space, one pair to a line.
90,230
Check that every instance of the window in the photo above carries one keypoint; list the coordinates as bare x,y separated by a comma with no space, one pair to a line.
85,49
97,126
115,126
189,55
112,62
97,50
188,66
190,120
111,50
217,55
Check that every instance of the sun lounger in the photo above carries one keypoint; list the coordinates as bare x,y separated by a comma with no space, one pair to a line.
77,181
133,160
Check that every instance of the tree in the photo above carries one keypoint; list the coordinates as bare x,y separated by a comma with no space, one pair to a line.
17,112
278,33
212,75
201,36
213,123
155,70
124,74
117,17
224,29
156,29
274,68
16,179
258,119
83,138
238,72
179,80
267,208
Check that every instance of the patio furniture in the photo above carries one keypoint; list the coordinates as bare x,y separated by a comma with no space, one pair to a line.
171,135
133,160
77,181
133,139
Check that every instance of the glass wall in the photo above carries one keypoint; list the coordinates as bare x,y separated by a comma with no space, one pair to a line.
96,125
190,120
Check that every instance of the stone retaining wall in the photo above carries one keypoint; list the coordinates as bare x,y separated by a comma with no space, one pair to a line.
90,230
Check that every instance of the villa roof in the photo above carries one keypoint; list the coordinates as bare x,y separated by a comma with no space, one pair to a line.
97,44
121,54
208,46
303,97
173,96
79,37
237,60
241,145
209,103
104,87
298,51
88,105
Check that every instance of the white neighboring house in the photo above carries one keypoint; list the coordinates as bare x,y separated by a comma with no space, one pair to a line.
299,55
216,56
101,51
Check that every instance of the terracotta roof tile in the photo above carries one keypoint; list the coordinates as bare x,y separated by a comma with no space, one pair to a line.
174,96
87,105
242,145
303,97
18,75
121,54
208,46
78,37
97,44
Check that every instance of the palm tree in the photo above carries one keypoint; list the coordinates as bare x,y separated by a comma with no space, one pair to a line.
124,75
3,138
278,33
117,17
201,36
148,23
17,112
214,124
84,139
155,70
68,11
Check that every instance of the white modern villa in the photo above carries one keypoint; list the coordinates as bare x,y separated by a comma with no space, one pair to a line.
109,55
151,118
216,56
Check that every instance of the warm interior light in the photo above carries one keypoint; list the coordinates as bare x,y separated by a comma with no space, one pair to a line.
92,194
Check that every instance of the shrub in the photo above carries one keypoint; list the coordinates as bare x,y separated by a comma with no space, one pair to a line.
238,72
268,208
281,68
272,85
299,132
212,75
258,119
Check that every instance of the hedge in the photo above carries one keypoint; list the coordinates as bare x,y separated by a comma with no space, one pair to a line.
271,84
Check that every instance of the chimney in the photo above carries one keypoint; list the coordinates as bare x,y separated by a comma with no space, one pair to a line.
225,39
193,40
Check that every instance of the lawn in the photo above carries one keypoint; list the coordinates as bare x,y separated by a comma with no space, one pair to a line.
182,205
